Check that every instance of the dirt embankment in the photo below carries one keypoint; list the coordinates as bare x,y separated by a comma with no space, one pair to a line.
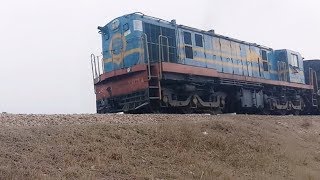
159,147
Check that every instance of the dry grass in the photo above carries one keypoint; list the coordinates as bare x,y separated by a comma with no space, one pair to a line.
306,124
217,149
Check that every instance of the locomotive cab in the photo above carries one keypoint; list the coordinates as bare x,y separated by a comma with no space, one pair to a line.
290,66
312,71
312,74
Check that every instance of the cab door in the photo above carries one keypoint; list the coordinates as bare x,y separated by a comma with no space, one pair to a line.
199,50
237,62
248,60
193,51
227,63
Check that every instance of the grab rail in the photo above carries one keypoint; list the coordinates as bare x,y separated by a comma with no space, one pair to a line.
161,53
93,67
145,42
96,67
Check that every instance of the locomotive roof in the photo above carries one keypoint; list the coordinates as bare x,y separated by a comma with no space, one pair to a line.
312,60
210,32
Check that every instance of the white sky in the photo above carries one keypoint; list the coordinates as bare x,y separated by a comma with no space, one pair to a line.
45,45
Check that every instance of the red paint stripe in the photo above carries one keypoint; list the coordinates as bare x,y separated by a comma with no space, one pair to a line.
185,69
199,71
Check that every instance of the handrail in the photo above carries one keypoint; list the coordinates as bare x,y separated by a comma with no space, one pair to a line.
141,54
93,67
102,65
145,41
96,65
315,81
98,62
161,55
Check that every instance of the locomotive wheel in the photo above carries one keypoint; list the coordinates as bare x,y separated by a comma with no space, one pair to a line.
215,111
154,108
296,112
282,112
187,110
265,111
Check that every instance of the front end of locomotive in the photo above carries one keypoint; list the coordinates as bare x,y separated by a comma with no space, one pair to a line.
121,76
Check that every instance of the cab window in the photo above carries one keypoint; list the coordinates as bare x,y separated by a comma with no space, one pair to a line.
265,63
198,38
188,45
187,38
294,60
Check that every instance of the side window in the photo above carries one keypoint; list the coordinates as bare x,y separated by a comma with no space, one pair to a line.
264,55
188,45
294,60
198,38
265,60
265,66
187,38
189,52
154,46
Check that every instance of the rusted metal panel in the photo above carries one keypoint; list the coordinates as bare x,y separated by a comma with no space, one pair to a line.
122,85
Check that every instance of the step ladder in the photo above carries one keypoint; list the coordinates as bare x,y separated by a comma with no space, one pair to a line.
314,99
155,68
154,82
314,82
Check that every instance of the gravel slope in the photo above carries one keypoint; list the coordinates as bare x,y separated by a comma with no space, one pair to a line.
125,146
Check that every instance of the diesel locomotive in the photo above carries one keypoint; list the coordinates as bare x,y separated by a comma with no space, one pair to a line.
152,65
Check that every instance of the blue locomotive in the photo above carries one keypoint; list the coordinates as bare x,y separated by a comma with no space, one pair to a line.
153,65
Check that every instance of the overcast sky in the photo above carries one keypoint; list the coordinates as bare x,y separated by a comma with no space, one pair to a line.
45,45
